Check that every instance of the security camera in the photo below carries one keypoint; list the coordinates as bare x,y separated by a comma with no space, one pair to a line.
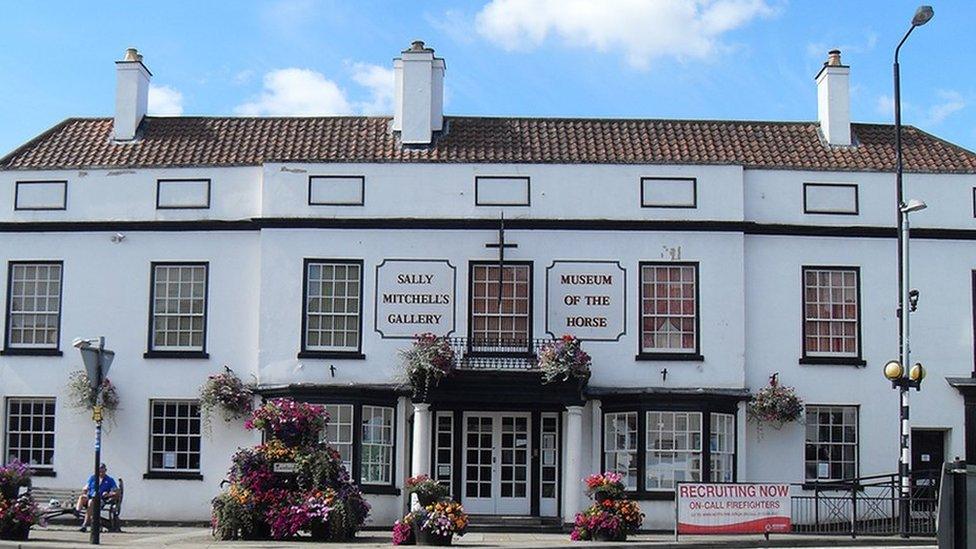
118,237
913,299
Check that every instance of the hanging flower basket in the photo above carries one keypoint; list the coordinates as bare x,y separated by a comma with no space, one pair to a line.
429,360
82,397
227,393
428,490
564,359
775,405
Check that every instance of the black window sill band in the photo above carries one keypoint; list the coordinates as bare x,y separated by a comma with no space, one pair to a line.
198,355
43,473
172,475
670,357
379,490
833,361
340,355
30,352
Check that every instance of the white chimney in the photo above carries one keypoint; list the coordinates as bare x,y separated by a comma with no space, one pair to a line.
131,95
834,100
419,109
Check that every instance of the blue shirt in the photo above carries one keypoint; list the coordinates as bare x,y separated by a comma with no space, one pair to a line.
108,485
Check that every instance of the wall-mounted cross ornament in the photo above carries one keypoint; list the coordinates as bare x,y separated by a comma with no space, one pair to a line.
501,245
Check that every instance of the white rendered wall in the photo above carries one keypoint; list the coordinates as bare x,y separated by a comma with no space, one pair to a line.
106,292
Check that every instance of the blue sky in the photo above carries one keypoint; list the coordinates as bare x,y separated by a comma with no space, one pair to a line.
711,59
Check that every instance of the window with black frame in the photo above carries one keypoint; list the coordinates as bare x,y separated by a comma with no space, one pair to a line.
653,449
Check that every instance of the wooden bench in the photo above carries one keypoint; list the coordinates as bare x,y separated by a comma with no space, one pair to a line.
58,502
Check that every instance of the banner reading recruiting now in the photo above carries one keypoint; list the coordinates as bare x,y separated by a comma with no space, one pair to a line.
733,508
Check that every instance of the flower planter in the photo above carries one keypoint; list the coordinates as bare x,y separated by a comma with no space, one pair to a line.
430,538
600,535
17,532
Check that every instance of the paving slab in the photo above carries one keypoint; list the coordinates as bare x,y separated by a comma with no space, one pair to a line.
144,537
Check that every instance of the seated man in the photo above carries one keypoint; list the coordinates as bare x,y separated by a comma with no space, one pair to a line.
107,489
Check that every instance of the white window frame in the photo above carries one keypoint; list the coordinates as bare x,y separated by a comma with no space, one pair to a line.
831,320
17,272
31,432
155,436
316,320
340,433
684,442
614,454
722,447
650,301
180,315
813,412
385,443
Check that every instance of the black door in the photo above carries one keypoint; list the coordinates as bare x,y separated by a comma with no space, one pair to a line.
928,455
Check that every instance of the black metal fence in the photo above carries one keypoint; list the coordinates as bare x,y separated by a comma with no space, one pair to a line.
496,354
864,506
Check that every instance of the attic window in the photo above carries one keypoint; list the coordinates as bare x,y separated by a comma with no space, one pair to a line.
336,190
183,194
830,198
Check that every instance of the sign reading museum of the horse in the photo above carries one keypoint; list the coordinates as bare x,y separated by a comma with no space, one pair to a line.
586,299
414,296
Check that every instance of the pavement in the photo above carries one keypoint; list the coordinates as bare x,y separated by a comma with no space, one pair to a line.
144,537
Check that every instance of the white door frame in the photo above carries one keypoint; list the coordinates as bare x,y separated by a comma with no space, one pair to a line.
515,453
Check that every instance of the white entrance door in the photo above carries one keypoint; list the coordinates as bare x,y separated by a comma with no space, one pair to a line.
496,463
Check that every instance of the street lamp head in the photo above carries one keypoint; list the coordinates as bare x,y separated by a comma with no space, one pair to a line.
922,16
893,370
913,205
917,372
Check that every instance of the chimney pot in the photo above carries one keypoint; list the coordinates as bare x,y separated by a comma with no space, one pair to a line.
833,58
417,45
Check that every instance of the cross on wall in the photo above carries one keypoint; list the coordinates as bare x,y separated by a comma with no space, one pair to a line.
501,245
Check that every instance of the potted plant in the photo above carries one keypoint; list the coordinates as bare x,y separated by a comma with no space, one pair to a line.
293,423
612,516
426,362
608,485
435,524
226,392
428,490
775,405
564,359
18,512
313,493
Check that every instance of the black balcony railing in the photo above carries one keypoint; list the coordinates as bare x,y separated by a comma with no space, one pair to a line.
496,354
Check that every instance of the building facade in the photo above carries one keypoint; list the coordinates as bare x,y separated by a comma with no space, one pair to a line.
695,260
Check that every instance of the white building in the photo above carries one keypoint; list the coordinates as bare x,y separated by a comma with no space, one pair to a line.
695,259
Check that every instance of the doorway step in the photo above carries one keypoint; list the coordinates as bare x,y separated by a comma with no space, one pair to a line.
518,524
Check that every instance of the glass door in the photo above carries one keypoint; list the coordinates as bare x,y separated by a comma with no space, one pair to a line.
497,451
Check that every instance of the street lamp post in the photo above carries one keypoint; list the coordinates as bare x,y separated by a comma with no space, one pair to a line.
97,360
903,381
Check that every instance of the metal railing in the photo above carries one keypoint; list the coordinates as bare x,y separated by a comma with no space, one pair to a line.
863,506
496,354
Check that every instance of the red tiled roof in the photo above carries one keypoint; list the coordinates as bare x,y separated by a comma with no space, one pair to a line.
203,141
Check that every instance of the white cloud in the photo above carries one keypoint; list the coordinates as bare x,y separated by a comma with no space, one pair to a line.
951,102
643,30
165,101
885,105
304,92
297,92
379,81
